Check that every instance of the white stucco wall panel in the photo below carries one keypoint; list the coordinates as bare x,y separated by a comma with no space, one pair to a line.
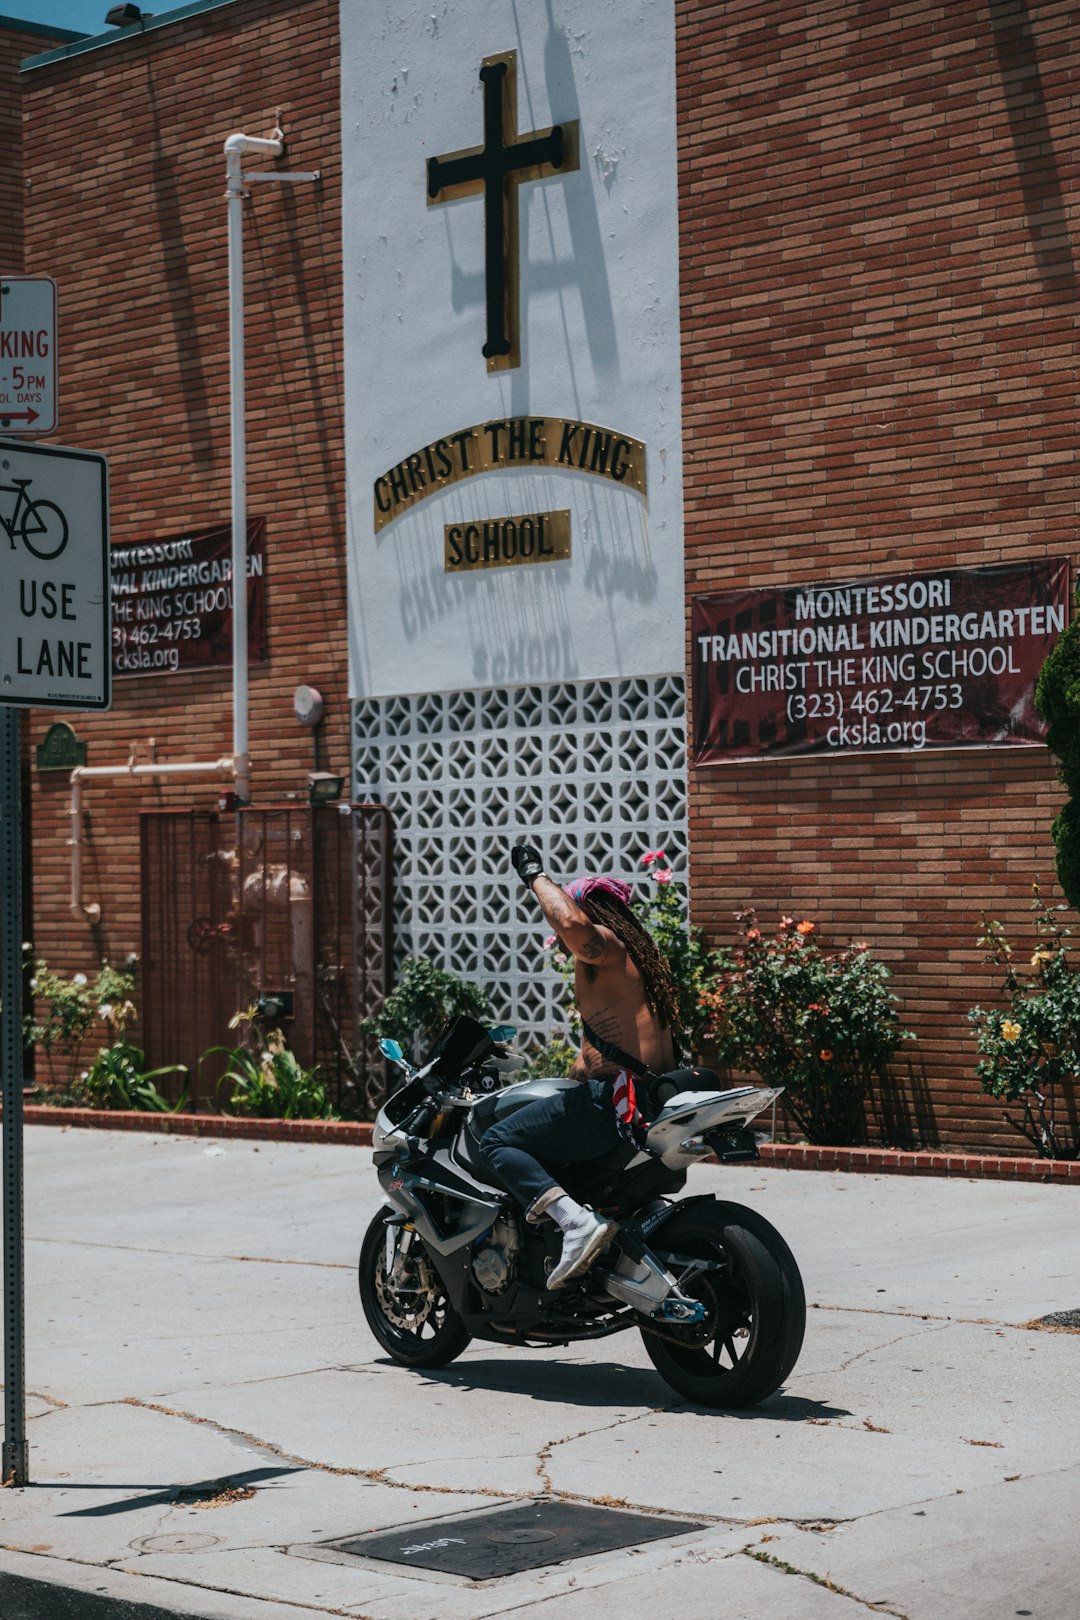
599,340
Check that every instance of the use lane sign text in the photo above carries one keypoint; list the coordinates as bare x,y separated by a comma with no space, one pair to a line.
54,609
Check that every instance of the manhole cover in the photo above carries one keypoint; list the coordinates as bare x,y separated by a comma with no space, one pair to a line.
182,1542
488,1544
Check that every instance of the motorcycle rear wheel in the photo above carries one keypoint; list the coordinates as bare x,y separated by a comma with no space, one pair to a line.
755,1308
416,1324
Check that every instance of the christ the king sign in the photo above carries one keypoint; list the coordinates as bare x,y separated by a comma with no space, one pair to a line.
504,162
512,375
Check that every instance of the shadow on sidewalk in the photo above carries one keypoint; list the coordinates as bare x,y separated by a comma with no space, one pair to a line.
608,1383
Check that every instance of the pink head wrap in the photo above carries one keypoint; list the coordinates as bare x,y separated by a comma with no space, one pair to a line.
582,887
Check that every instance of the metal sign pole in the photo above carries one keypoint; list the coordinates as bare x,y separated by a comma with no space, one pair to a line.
47,661
16,1460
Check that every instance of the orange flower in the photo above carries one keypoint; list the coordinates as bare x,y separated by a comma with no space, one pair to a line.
805,927
825,1055
753,933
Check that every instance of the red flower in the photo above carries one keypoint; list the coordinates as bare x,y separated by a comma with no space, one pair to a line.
652,855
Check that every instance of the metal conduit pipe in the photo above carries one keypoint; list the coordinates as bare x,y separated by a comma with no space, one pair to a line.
236,146
87,773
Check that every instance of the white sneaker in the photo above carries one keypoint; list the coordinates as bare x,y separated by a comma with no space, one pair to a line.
583,1241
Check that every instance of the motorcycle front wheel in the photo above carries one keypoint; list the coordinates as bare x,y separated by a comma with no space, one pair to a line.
407,1307
755,1308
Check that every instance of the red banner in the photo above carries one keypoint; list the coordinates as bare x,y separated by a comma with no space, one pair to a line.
172,602
914,661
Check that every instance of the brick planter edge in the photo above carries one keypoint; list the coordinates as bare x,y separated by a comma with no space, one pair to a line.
774,1155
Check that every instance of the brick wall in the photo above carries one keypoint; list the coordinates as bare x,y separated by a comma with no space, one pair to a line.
17,40
879,298
124,152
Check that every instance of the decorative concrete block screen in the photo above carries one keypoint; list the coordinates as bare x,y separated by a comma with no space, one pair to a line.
592,771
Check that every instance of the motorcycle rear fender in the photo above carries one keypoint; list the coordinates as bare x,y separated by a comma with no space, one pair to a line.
647,1226
677,1133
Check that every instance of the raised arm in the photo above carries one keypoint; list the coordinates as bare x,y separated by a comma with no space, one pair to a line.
581,936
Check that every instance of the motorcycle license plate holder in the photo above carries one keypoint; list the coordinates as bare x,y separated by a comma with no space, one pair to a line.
733,1144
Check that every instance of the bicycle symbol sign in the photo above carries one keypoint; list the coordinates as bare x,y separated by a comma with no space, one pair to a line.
55,644
40,525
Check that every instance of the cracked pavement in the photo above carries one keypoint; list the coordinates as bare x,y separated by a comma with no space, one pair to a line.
208,1410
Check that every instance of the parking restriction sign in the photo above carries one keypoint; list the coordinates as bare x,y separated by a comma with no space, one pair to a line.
28,391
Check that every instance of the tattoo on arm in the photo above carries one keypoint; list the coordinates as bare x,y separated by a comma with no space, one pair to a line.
560,911
577,931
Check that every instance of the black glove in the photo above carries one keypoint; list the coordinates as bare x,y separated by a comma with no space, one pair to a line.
527,862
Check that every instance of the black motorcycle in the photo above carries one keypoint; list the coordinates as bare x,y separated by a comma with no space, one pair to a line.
712,1287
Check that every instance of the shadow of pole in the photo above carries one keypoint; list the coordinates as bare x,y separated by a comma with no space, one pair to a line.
1032,138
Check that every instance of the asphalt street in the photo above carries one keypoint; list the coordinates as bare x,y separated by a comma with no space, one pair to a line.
209,1412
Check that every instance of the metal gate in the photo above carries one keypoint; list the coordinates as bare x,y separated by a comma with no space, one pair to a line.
288,908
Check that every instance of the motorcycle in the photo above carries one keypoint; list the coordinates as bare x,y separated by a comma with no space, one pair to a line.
712,1287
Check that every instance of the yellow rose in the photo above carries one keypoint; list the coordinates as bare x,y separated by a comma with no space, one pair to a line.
1042,955
1009,1030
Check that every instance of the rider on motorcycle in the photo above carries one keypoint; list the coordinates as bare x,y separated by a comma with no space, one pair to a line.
627,1001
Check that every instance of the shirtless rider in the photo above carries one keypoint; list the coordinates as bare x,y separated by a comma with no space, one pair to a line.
626,999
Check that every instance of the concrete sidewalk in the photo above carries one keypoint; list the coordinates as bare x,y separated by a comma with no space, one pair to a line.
209,1409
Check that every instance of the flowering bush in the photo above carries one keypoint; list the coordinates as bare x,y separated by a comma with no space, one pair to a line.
1029,1053
663,912
821,1025
67,1008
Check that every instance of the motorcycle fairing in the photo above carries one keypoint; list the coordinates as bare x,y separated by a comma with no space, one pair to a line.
525,1310
407,1178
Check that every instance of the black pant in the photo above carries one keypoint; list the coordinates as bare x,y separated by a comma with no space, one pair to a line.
573,1125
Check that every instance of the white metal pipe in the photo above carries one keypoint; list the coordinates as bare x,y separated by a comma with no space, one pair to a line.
235,148
92,913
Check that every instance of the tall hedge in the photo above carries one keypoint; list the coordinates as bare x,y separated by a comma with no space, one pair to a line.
1057,697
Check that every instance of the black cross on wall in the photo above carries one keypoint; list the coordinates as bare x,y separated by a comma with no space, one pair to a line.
498,168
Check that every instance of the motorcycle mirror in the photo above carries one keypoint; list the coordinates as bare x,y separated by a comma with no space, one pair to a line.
391,1050
502,1033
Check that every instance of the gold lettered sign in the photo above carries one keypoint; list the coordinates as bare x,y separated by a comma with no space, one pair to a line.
504,542
515,441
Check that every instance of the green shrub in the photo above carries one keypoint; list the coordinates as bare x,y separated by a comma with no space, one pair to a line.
118,1078
267,1079
553,1060
1029,1052
1057,697
823,1026
66,1008
423,1000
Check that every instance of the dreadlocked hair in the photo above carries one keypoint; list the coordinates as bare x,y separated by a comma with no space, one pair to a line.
660,992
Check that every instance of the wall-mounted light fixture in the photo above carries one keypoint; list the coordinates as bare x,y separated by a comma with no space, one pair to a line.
324,787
